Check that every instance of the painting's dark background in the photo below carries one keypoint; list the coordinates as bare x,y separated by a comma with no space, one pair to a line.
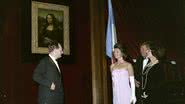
136,21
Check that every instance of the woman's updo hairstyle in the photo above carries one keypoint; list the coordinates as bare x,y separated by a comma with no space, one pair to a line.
122,49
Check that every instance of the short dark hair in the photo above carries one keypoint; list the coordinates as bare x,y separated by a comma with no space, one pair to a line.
146,43
53,45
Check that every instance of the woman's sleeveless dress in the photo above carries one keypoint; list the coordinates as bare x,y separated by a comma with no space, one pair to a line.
121,86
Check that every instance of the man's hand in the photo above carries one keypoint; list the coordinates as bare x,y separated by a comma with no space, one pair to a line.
137,83
52,86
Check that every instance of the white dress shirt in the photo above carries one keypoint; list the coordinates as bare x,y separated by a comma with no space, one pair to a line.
54,60
145,61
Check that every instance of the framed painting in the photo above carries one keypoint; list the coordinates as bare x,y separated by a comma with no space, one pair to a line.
49,22
44,21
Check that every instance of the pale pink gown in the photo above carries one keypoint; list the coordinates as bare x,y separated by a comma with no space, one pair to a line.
121,86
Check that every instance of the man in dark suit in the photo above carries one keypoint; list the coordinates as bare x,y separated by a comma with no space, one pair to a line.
139,67
49,77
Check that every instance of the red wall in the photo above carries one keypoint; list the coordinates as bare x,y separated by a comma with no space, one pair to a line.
161,21
137,21
17,76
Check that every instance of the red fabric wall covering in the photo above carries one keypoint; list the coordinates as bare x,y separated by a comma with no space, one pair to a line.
18,83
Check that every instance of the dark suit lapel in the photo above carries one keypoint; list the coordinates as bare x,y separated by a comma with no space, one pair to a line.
52,62
141,64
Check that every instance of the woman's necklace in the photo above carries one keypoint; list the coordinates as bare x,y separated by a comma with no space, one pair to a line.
146,71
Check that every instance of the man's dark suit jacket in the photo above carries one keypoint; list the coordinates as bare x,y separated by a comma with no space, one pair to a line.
138,67
45,73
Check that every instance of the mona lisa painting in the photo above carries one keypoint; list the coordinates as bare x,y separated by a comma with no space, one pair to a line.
49,22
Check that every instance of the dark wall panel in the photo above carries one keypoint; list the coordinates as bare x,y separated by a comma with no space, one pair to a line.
16,75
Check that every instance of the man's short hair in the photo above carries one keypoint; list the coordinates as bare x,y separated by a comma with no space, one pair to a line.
147,44
53,45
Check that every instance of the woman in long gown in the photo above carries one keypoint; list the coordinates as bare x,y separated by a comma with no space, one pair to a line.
122,78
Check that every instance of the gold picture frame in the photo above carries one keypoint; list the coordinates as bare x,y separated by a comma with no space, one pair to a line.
39,31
